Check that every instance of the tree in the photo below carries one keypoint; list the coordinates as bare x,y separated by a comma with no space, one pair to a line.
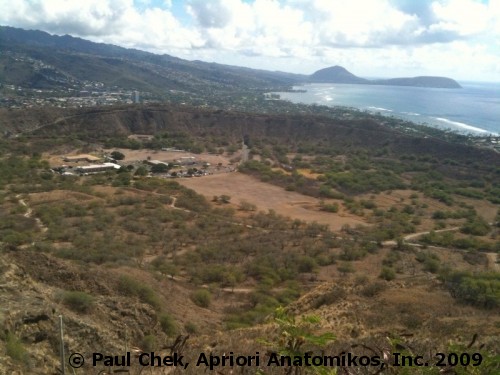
141,171
117,155
122,179
159,168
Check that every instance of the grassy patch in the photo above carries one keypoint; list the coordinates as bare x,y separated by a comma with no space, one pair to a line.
78,301
202,298
15,348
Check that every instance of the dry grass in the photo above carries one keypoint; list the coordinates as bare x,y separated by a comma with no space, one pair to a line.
241,187
60,195
307,173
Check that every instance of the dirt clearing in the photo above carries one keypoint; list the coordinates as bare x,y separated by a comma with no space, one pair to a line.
241,187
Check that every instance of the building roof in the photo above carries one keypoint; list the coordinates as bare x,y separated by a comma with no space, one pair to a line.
82,157
99,166
156,162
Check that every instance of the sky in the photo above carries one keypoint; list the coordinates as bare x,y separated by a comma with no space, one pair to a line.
371,38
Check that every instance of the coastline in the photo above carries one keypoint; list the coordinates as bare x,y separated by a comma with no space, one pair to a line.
471,111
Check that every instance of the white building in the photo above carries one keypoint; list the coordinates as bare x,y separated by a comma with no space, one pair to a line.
96,168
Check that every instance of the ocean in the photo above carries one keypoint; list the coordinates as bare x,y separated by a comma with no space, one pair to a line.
474,109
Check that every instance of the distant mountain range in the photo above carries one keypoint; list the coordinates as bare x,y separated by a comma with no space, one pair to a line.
338,74
36,59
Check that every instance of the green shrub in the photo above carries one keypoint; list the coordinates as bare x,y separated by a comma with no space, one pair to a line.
146,294
224,198
391,258
191,328
78,301
129,285
148,343
412,321
387,273
290,294
430,261
15,348
480,289
167,324
202,298
14,239
476,226
334,207
368,204
361,280
327,192
247,206
306,264
439,215
345,268
431,265
373,289
335,295
370,247
474,258
301,335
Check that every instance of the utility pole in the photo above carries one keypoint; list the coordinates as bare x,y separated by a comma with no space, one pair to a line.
126,340
63,362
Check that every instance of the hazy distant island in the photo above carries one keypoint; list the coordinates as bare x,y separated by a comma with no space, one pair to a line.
338,74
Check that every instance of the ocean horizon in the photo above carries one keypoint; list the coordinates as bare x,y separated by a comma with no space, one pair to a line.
473,109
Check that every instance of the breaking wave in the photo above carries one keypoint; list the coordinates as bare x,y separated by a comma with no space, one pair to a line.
381,109
461,125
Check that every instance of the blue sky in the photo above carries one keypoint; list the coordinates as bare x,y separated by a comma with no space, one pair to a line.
178,7
455,38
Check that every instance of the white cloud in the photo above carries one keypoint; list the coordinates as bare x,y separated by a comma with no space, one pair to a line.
63,16
112,21
358,23
466,17
299,35
262,27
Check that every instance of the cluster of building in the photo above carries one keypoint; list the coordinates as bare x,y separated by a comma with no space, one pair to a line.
65,98
491,141
62,90
96,165
175,168
184,166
